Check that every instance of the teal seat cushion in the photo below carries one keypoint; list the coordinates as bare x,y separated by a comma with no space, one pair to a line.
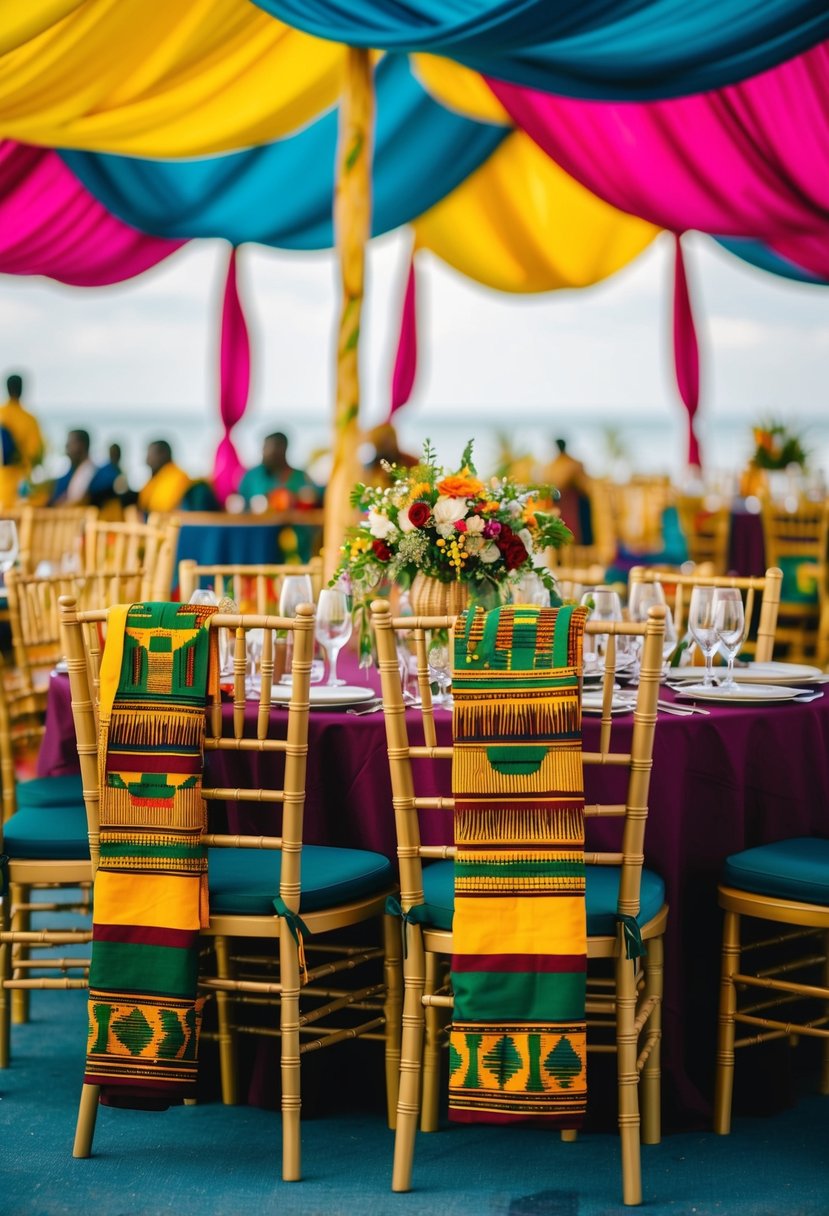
800,580
602,896
51,791
246,881
47,834
790,869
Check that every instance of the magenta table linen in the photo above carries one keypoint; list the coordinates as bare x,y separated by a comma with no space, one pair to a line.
51,225
234,379
405,363
686,352
749,160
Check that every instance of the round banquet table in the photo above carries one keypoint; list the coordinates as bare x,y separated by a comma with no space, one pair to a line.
740,776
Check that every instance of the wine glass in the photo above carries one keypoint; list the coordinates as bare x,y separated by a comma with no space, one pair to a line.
641,598
603,604
254,642
296,589
9,544
729,622
702,624
440,670
333,627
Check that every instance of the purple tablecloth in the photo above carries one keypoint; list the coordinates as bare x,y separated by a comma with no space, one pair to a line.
739,777
746,546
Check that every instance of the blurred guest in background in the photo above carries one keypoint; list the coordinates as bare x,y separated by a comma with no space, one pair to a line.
169,487
383,439
73,487
570,478
276,481
21,442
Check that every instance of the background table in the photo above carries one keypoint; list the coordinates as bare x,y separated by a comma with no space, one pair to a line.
742,776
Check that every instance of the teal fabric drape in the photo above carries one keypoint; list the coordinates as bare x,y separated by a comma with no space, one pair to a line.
622,50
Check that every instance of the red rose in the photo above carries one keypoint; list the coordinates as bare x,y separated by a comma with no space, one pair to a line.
381,550
419,512
515,553
504,538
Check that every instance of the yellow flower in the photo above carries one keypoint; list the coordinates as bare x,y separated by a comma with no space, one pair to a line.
418,489
491,505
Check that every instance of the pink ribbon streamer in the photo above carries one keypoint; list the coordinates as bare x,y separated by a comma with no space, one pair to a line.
405,363
51,225
686,352
234,381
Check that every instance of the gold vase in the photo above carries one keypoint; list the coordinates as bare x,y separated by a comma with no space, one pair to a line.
430,597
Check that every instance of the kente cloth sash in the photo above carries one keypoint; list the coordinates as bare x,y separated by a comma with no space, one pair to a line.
150,896
517,1042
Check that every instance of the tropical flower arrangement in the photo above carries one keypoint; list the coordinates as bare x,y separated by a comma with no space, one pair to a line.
450,526
775,447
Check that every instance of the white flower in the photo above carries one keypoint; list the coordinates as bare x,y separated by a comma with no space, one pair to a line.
448,510
474,544
445,530
491,553
526,536
381,526
474,524
514,509
403,521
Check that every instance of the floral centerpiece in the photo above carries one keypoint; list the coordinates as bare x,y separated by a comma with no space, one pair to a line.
775,447
448,536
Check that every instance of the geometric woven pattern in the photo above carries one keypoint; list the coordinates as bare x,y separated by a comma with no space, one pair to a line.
517,1042
150,897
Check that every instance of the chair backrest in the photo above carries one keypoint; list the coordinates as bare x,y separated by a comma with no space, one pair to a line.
413,632
52,534
253,588
228,726
34,615
706,526
16,726
638,506
131,544
767,586
796,541
571,581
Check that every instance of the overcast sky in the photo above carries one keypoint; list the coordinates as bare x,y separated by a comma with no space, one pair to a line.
151,343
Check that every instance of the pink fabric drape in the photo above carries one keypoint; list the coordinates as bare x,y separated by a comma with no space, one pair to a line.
405,363
234,384
51,225
749,160
686,352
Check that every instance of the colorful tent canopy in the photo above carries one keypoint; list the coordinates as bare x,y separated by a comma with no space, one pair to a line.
625,50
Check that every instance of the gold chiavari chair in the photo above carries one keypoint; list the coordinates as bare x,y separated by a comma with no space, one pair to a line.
571,581
766,586
35,621
796,541
253,588
131,544
52,534
330,888
785,887
706,526
628,1005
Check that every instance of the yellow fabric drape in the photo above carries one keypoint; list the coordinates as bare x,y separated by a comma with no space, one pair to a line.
459,88
173,79
521,224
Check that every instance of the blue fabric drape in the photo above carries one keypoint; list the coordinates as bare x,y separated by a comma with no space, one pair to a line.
622,50
759,255
281,194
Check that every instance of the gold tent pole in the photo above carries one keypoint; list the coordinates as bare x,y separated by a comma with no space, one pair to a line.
352,223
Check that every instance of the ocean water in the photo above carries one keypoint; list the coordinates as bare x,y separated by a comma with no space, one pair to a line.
609,444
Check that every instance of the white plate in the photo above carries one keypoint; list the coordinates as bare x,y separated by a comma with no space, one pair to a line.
741,694
326,694
591,703
755,673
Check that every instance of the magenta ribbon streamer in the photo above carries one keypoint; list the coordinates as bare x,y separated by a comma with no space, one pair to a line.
51,225
686,351
750,160
234,382
405,363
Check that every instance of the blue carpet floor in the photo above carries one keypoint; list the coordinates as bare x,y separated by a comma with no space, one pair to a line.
211,1159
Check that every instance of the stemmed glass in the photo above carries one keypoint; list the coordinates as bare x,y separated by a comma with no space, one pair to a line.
254,643
703,627
729,622
642,597
603,604
333,627
296,589
9,544
440,670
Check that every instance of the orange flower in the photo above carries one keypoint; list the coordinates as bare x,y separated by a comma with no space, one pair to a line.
492,506
460,485
529,513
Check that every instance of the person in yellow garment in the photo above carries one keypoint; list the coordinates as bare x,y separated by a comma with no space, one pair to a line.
21,443
169,487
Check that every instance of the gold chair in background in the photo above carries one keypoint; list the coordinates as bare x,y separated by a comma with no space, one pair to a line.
796,541
766,586
331,888
628,1004
131,544
784,885
706,526
253,588
53,535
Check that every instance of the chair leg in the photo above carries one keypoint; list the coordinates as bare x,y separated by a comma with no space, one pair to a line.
224,1016
87,1114
430,1099
289,1024
724,1086
21,923
5,974
651,1072
392,1009
627,1078
824,1072
411,1059
569,1135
